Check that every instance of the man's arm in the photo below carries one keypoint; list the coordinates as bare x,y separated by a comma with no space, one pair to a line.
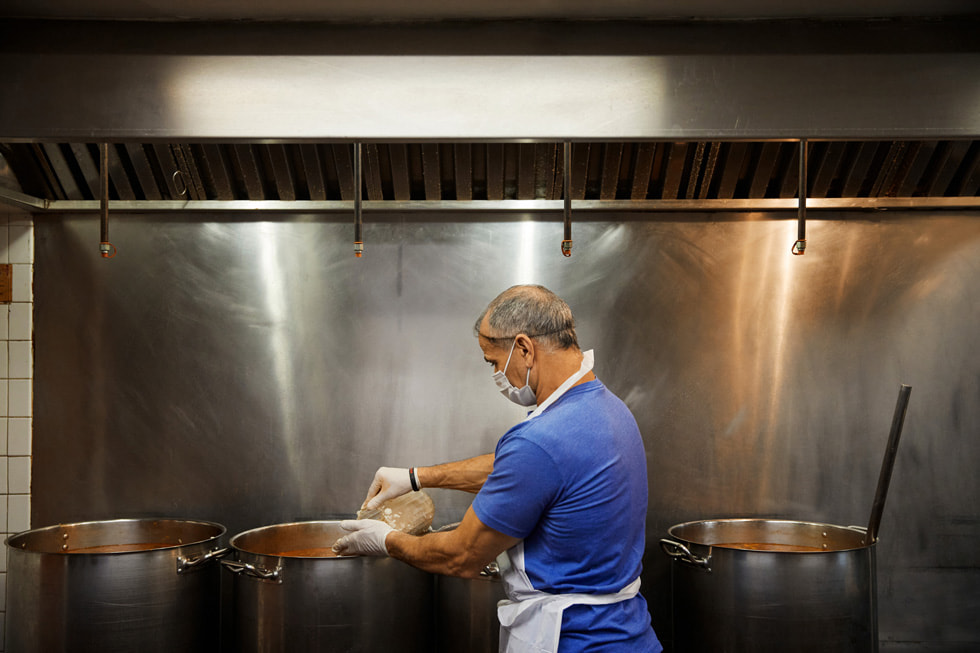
468,475
463,552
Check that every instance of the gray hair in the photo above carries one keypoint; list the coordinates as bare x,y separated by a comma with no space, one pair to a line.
532,310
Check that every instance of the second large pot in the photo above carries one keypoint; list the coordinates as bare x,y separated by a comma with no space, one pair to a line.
292,595
760,585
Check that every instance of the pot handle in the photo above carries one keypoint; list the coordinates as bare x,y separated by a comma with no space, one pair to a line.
492,570
678,551
863,530
188,564
239,567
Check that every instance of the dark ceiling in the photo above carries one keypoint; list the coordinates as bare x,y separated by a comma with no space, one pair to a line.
433,10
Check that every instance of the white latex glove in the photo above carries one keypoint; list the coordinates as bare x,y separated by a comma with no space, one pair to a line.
388,483
367,537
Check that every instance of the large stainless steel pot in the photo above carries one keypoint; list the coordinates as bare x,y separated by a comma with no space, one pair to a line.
287,600
734,600
114,586
466,614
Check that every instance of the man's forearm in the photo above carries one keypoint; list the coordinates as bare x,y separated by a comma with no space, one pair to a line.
463,552
436,553
468,475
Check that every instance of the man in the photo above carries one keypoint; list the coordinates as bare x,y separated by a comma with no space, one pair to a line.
565,494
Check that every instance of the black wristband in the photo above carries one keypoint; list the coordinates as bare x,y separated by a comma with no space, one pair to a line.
413,479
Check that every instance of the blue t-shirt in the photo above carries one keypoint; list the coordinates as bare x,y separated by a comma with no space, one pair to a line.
572,483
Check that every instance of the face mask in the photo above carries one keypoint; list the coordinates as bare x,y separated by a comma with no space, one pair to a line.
521,396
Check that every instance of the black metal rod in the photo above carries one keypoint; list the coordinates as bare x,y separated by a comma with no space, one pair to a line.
357,193
888,463
104,190
801,213
566,245
567,189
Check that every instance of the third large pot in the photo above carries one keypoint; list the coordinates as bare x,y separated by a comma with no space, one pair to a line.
759,585
466,614
292,595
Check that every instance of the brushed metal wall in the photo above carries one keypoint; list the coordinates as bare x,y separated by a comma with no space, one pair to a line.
252,372
87,80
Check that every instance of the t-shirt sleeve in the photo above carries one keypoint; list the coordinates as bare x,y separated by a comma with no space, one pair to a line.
523,484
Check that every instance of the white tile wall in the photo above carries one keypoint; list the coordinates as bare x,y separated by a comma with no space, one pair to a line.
16,385
18,436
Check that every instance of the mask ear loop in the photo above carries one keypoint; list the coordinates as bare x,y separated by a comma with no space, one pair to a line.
509,354
527,379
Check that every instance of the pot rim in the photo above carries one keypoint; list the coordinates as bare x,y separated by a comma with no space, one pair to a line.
234,540
857,531
10,540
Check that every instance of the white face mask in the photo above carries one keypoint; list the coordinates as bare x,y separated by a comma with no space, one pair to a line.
521,396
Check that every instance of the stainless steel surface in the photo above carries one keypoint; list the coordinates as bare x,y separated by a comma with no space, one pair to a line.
382,210
251,371
466,614
347,604
162,599
747,601
151,81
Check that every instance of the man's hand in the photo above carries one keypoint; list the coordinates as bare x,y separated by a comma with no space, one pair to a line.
388,483
367,537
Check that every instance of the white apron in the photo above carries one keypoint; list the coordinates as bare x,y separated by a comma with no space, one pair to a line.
530,622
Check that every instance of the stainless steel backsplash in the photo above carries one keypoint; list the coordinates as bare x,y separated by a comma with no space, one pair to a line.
254,372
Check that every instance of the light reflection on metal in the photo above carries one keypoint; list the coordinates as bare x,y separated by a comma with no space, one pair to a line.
274,290
762,338
785,281
526,253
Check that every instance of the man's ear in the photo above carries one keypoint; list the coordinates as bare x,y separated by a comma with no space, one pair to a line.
525,346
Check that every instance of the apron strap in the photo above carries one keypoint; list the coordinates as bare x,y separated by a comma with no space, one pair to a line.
533,625
588,360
